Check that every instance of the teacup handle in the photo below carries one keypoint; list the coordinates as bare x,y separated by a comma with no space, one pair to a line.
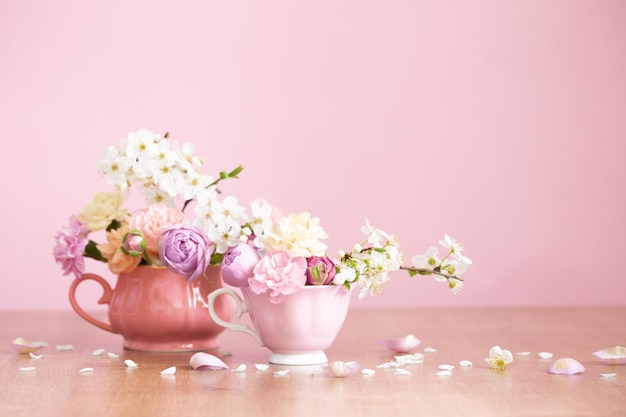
107,292
241,308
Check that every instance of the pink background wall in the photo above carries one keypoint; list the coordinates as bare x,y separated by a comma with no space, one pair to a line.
501,123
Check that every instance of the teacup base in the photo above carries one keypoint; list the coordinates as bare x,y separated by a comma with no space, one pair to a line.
180,346
317,357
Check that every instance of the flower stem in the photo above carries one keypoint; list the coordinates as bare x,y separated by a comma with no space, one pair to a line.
425,271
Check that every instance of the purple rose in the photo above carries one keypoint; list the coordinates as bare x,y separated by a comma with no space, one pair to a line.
185,250
320,270
70,246
238,264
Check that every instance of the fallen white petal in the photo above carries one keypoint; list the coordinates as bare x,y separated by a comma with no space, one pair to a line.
611,375
410,359
130,363
565,366
261,366
282,372
465,363
85,370
342,369
545,355
366,371
240,368
113,355
98,352
35,356
169,371
429,349
446,367
23,346
28,369
65,347
402,344
444,373
615,355
401,371
523,353
202,360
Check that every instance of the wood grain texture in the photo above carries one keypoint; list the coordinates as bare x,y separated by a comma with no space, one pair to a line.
57,388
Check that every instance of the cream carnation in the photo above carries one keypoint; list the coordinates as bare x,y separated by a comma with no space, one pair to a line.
99,213
298,234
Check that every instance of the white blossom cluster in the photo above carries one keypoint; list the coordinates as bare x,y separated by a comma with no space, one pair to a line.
164,169
453,263
167,173
369,264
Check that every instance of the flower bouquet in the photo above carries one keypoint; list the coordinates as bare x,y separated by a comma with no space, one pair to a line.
256,247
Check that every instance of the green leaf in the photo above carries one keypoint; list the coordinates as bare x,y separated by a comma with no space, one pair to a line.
235,172
216,258
91,251
412,273
114,225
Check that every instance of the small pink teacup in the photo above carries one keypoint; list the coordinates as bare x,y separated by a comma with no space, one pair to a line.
299,329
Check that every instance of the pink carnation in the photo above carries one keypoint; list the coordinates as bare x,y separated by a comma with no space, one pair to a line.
278,274
70,246
151,222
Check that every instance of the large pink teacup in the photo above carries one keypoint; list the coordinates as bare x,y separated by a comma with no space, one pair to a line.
155,309
297,330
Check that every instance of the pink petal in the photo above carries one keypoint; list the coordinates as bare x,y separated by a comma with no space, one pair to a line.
342,369
615,355
203,361
401,345
23,346
565,366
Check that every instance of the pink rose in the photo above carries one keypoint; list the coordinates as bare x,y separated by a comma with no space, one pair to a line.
238,264
279,274
320,270
151,222
133,243
185,250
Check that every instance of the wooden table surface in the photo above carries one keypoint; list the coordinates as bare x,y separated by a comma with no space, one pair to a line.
57,388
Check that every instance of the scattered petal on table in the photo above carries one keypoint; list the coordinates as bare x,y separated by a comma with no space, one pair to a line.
465,363
240,368
342,369
565,366
402,372
610,375
169,371
35,356
411,359
130,363
85,370
444,373
112,355
446,367
402,344
28,369
429,349
23,346
390,364
98,352
261,366
366,371
204,361
523,353
65,347
545,355
282,372
615,355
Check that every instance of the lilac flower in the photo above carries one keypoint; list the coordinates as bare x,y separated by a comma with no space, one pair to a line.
70,245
